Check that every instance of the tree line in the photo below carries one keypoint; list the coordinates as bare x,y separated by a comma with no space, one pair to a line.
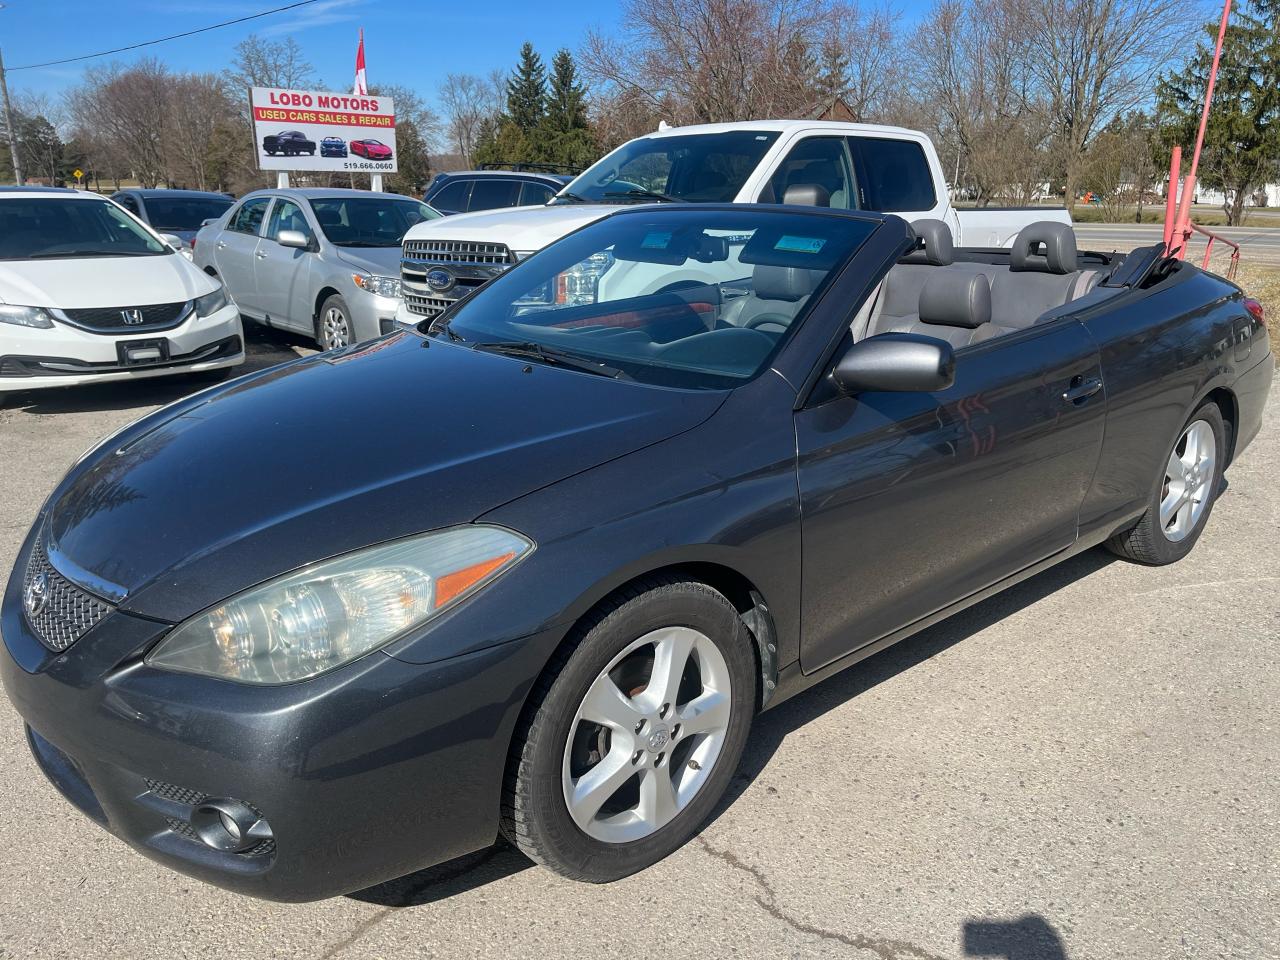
1066,98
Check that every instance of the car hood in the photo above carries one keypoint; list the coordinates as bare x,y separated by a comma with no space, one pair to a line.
101,281
345,449
520,228
380,261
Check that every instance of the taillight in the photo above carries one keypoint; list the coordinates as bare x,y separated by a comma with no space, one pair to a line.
1255,310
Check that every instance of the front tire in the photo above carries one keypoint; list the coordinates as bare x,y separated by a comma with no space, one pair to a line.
333,325
1184,497
632,734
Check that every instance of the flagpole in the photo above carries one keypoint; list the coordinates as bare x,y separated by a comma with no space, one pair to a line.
361,88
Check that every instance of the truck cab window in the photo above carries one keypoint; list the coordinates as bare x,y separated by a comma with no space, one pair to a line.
893,174
816,161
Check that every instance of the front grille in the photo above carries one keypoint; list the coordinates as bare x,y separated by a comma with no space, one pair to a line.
458,251
425,306
129,319
63,612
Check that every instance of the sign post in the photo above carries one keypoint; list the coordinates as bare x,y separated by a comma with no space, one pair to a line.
321,131
79,175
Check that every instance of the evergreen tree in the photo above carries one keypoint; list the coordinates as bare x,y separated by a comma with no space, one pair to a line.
527,91
565,131
1242,141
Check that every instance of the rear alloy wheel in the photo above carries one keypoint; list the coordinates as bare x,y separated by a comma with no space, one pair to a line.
333,328
633,733
1184,497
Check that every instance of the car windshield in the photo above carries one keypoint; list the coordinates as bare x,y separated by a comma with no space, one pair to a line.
369,221
167,214
683,297
700,167
50,228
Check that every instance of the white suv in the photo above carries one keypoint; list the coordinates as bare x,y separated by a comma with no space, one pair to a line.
88,293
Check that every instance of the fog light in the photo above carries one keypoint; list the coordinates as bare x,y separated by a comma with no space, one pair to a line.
231,826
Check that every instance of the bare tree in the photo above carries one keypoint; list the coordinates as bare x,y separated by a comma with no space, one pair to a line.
199,106
471,106
969,69
262,63
859,60
129,107
1095,60
702,61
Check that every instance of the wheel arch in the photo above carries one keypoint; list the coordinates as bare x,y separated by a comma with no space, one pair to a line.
325,293
1230,407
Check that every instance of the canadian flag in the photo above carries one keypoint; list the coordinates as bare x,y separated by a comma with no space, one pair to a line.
362,86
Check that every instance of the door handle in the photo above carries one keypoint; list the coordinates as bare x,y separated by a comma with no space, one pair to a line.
262,255
1081,389
221,244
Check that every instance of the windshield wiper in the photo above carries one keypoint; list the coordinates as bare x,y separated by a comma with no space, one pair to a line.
550,355
442,326
571,197
646,195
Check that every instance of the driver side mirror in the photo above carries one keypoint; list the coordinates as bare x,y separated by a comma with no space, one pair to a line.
174,242
293,238
900,362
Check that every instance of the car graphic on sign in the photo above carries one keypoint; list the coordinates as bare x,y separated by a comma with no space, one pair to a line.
371,149
333,147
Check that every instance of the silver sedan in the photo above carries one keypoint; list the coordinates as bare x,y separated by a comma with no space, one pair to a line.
324,262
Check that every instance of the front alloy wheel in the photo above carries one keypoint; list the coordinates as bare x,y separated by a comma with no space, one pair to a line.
334,324
647,735
632,733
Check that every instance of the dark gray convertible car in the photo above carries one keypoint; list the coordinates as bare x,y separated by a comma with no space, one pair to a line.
582,540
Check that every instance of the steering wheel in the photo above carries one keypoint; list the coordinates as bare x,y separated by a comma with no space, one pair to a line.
780,319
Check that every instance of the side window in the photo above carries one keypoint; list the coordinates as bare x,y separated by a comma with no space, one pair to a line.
287,215
816,161
248,219
492,192
534,193
452,197
893,175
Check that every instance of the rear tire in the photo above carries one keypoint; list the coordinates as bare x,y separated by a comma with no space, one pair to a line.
1184,494
658,761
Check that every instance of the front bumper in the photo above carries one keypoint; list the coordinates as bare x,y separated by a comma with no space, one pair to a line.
372,316
372,771
66,356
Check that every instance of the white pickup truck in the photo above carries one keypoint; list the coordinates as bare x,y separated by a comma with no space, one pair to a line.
812,162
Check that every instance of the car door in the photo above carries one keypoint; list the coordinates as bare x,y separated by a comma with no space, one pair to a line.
283,273
234,253
913,501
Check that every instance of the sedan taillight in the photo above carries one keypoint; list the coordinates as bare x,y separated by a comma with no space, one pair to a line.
1255,310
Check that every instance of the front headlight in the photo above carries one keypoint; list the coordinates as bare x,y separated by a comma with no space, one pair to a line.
580,284
211,303
307,622
378,286
37,317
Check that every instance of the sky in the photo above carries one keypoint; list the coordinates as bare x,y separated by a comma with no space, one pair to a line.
411,42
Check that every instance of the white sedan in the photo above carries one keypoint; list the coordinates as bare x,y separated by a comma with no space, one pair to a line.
90,294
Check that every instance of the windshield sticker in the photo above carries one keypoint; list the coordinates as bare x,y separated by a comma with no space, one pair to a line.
799,244
655,241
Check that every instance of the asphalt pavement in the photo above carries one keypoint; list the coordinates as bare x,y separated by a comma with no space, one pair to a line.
1085,766
1260,245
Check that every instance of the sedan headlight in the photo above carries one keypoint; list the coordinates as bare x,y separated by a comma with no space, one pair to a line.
315,619
37,317
211,303
378,286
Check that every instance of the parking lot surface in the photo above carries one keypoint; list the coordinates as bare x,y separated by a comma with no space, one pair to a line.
1085,766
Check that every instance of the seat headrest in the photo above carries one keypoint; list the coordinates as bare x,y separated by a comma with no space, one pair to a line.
784,283
328,216
807,195
935,244
955,299
1044,247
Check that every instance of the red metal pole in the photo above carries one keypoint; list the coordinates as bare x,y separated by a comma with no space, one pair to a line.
1182,229
1171,198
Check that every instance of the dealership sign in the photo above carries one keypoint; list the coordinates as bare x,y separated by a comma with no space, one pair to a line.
315,130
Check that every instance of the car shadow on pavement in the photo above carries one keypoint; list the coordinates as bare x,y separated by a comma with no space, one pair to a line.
265,348
767,733
1030,937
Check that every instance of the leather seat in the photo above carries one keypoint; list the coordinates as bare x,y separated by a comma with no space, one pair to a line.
956,307
777,295
1043,274
899,301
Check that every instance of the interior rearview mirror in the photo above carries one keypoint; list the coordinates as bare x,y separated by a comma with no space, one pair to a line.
293,238
896,361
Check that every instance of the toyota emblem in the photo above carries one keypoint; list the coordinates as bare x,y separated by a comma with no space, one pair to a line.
36,596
